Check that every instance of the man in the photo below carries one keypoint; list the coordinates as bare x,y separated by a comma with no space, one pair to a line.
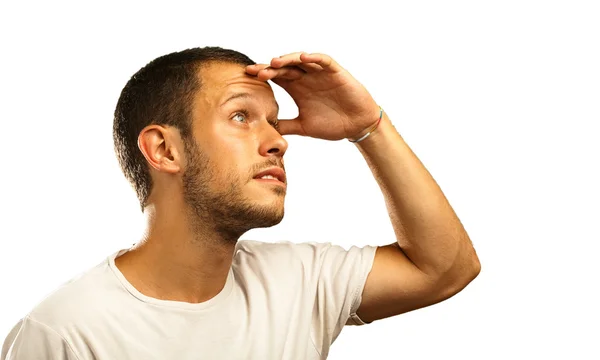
197,135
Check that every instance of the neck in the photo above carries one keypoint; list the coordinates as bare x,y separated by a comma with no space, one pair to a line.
181,257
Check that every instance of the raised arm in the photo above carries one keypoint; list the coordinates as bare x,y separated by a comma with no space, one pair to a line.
433,257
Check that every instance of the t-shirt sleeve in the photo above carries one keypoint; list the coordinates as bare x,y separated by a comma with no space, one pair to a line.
340,283
34,340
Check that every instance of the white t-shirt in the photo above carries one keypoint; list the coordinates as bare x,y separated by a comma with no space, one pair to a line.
280,301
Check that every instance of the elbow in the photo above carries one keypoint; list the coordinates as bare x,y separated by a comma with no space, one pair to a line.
466,267
476,267
470,271
462,275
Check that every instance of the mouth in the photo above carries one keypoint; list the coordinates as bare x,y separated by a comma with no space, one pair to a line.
274,175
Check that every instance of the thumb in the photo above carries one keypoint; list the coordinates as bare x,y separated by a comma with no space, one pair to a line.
291,127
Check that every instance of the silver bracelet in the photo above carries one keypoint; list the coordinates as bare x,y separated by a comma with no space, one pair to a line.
371,130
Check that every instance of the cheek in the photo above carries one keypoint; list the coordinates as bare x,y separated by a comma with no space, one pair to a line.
232,161
231,151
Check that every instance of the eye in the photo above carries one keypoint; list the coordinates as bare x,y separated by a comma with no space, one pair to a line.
275,124
240,116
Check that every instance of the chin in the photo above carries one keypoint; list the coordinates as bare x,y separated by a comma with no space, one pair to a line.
271,197
269,214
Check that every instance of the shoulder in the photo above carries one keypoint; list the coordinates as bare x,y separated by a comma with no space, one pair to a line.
299,248
311,255
78,299
31,339
54,324
308,249
280,252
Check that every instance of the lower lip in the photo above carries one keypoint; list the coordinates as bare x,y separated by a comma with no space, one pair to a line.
271,181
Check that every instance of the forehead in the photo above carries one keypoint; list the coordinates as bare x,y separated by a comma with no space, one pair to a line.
220,79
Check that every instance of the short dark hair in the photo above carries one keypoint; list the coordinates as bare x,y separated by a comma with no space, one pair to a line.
160,93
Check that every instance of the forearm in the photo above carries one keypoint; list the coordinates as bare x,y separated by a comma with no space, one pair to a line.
426,227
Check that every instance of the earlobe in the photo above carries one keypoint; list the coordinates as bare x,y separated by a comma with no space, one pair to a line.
155,143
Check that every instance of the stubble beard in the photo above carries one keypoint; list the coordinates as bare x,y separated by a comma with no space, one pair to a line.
228,213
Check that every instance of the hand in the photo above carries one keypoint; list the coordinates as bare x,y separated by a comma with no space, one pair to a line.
332,104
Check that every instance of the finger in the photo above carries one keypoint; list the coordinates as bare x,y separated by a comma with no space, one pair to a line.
291,127
254,69
325,61
283,83
287,73
311,61
310,68
287,60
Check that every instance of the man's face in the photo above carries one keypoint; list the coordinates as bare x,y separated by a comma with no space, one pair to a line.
234,140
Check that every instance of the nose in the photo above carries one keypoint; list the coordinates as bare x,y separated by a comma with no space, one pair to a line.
272,143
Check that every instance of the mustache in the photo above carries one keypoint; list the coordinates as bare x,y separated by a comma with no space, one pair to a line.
269,164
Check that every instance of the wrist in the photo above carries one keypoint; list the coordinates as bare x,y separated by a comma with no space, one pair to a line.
367,132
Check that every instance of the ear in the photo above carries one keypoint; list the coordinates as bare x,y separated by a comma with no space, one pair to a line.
160,146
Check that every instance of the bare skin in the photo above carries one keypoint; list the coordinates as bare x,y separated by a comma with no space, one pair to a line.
187,251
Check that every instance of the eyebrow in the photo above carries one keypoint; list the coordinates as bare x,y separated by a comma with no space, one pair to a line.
242,95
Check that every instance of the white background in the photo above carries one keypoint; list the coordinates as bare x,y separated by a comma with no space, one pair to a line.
500,100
